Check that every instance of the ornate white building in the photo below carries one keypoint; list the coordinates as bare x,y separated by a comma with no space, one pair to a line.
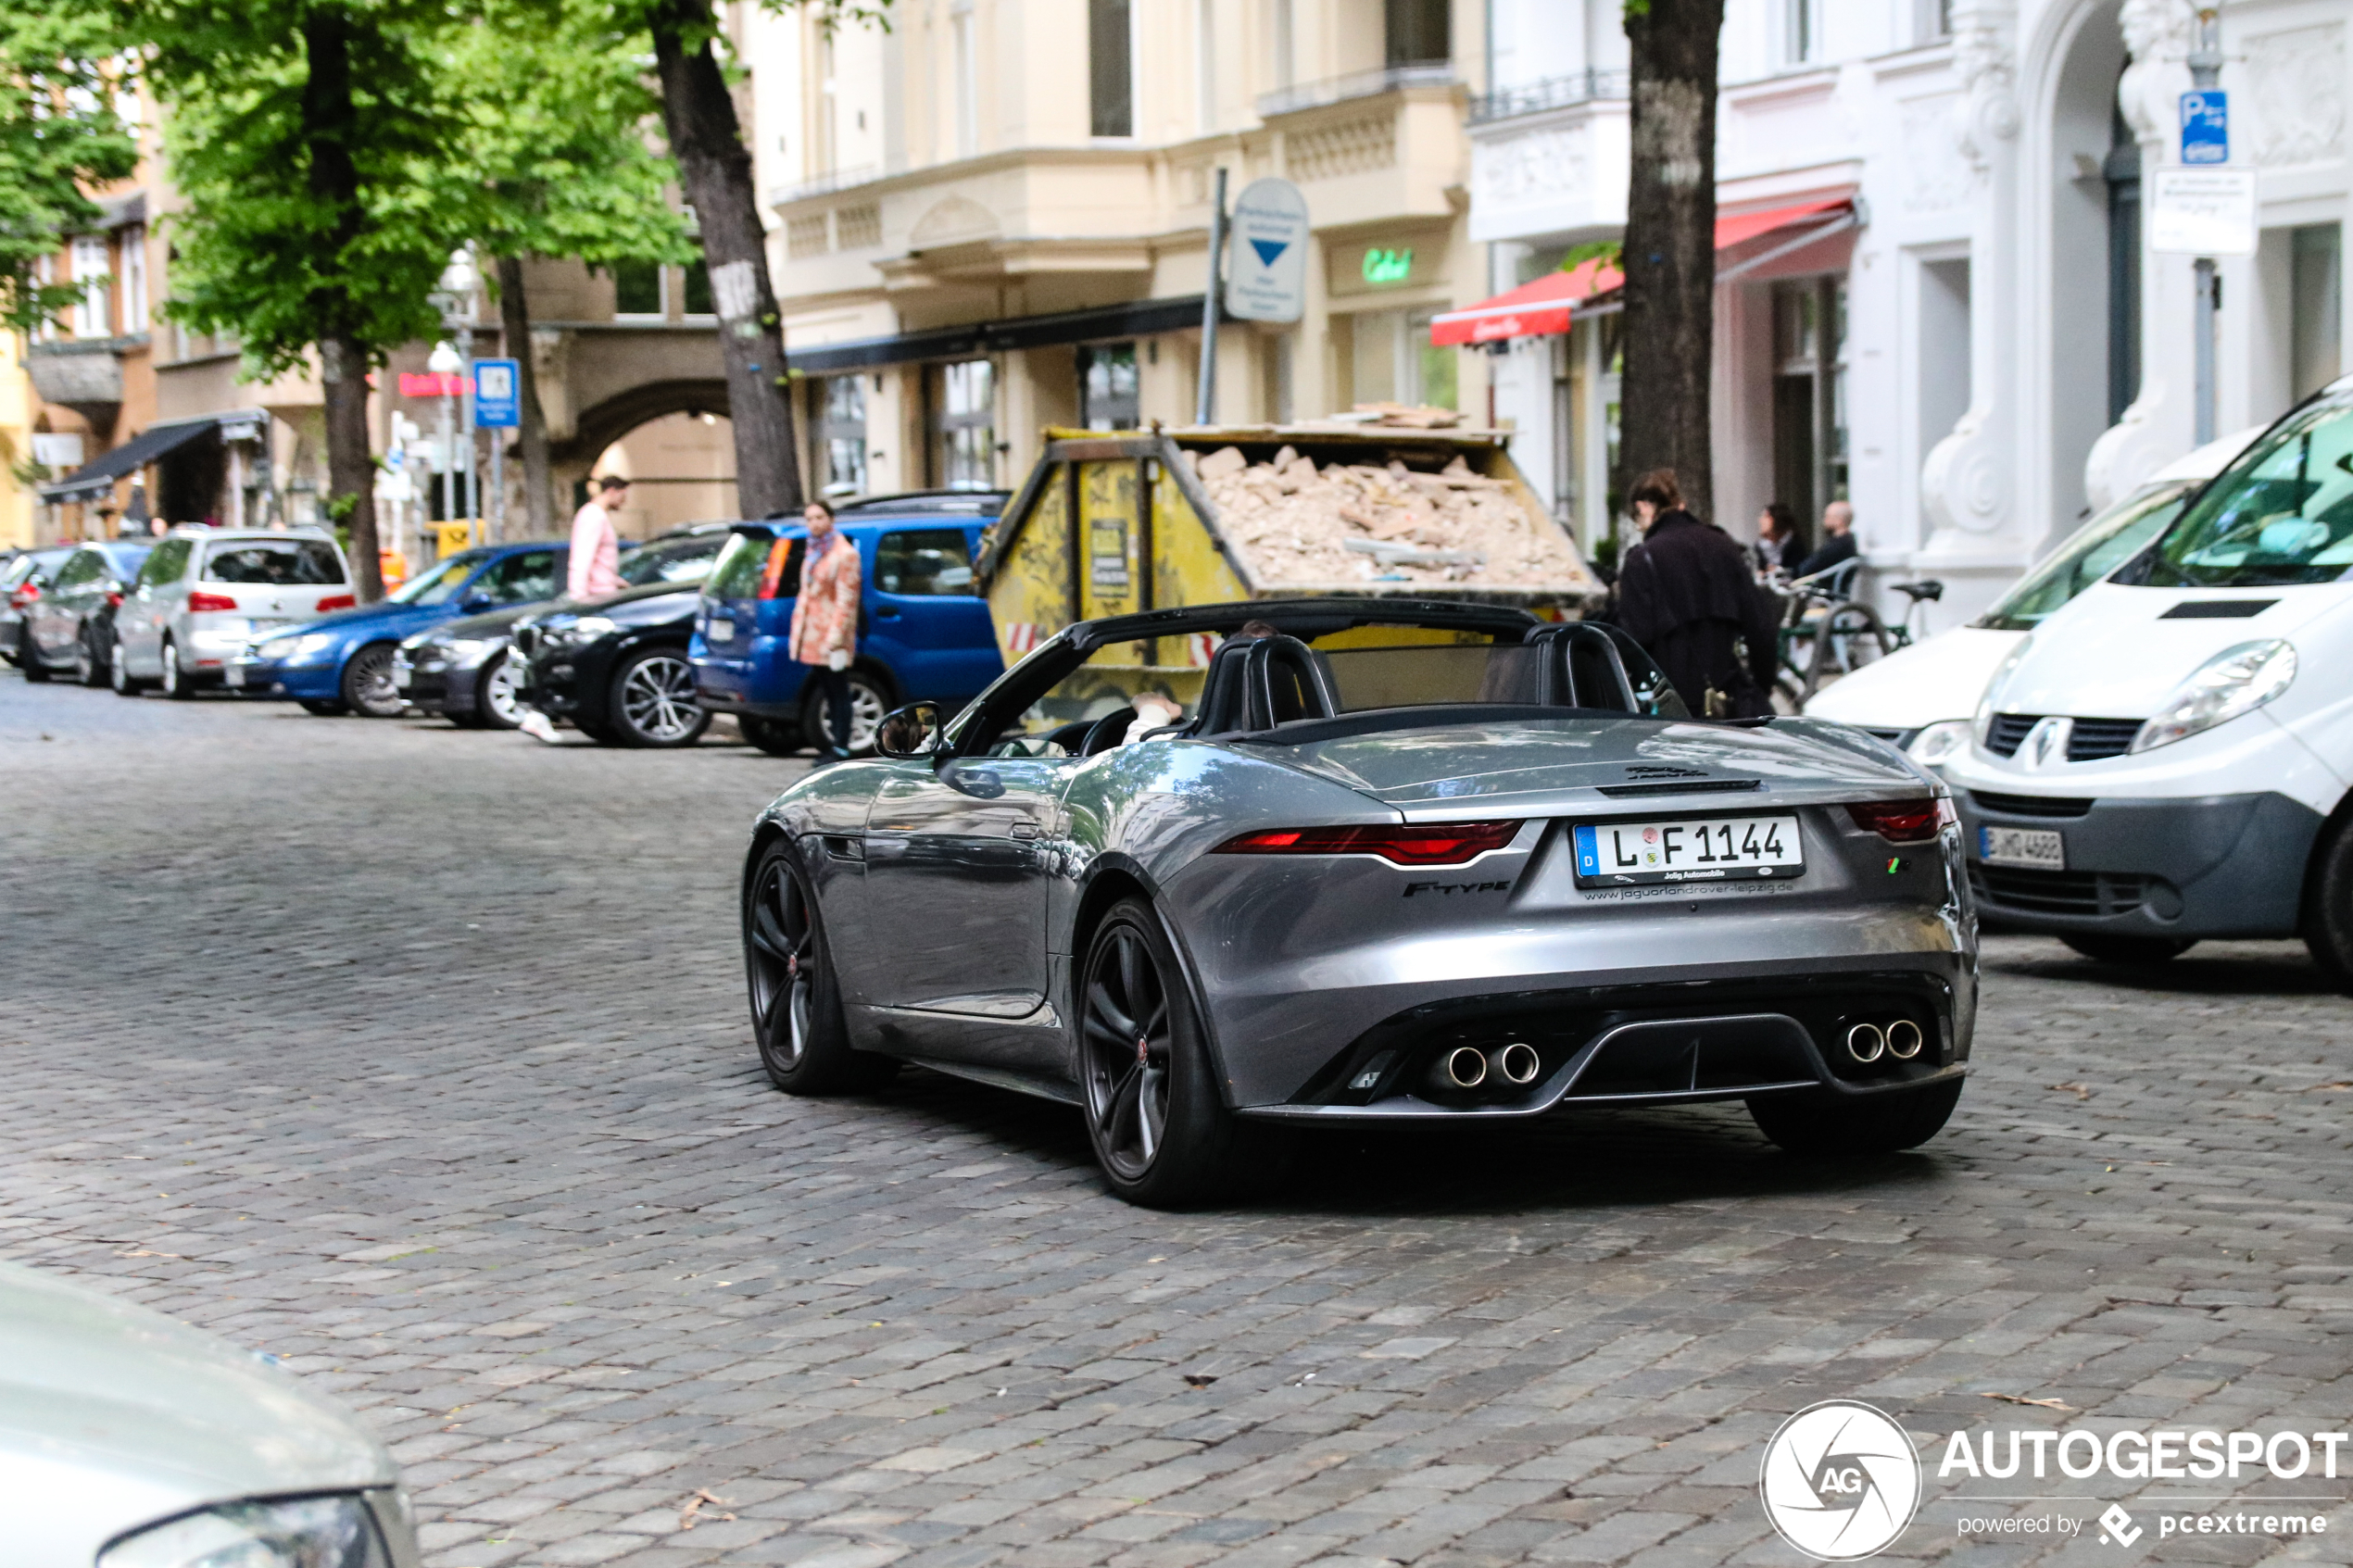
1938,295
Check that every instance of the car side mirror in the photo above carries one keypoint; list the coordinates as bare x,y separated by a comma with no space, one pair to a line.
911,732
474,603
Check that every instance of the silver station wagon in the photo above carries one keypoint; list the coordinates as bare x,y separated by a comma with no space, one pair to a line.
204,591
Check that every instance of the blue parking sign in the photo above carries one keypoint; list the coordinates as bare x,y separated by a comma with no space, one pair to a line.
2206,126
497,394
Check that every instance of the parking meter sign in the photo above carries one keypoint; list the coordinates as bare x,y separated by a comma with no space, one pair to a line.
497,394
1267,271
2206,126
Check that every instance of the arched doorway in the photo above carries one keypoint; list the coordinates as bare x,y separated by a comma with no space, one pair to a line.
674,441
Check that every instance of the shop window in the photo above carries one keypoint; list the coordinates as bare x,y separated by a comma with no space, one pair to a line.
1416,32
1809,394
841,434
1433,368
1111,69
2316,294
637,288
1944,357
1109,392
964,425
1390,359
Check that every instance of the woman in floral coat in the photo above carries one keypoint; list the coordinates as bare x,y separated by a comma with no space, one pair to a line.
824,624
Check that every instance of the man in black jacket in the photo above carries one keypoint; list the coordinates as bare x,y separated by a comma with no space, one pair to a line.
1687,594
1838,540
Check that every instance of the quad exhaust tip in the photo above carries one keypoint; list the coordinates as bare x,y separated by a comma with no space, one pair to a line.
1899,1038
1866,1042
1517,1063
1905,1039
1462,1068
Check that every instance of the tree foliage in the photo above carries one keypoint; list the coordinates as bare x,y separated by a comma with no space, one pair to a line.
61,67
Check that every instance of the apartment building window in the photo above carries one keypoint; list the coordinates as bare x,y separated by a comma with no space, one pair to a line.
637,289
967,81
94,312
1206,63
695,285
1111,69
1802,31
1931,21
1110,395
841,434
1416,32
2316,297
1286,43
135,317
44,275
963,417
2121,170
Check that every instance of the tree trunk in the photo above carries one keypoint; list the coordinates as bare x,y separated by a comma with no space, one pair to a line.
514,321
715,167
1670,246
329,125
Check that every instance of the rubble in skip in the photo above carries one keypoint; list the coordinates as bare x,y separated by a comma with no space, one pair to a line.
1300,524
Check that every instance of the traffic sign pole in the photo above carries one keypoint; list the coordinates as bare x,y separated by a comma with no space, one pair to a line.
1205,407
2205,138
496,385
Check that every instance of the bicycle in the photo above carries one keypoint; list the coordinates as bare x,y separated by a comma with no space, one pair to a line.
1826,632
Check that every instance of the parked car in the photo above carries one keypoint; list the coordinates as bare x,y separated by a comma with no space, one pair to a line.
922,632
343,662
617,667
1347,873
131,1441
26,578
205,592
70,626
464,670
2165,759
1920,697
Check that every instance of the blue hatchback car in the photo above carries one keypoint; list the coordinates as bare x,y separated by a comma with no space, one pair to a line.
922,632
342,663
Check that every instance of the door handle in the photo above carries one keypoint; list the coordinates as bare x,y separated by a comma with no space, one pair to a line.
885,615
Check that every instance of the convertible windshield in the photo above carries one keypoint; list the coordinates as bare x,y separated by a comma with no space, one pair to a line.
2282,514
2090,553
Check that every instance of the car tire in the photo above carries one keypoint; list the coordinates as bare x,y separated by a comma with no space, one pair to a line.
499,693
367,683
774,736
651,702
174,681
89,663
2139,951
1162,1133
118,675
29,659
1823,1123
325,708
870,698
796,1018
2328,906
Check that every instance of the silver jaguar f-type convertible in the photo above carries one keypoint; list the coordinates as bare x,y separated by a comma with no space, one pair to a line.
1212,873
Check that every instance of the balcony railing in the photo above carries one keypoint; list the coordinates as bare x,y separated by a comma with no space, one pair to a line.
1356,84
1551,93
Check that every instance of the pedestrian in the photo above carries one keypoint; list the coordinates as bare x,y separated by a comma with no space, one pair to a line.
824,624
1838,540
1688,594
595,570
1780,545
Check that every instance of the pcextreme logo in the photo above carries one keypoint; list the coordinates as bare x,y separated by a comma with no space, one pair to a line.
1840,1480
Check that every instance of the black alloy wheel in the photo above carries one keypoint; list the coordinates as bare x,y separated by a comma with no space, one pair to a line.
796,1001
499,693
118,671
1163,1136
174,681
367,683
89,659
653,701
2137,951
1825,1124
772,736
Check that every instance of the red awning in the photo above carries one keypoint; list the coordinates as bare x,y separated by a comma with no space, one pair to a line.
1546,305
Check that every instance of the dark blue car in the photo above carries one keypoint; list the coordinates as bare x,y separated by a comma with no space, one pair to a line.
342,663
922,632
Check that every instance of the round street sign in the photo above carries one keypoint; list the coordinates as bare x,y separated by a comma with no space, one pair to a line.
1266,273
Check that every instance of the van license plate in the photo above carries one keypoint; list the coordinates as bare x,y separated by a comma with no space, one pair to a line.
1718,850
2037,848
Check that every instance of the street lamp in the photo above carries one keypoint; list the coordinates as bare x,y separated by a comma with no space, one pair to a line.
445,362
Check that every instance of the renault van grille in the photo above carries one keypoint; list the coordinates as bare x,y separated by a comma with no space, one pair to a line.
2089,739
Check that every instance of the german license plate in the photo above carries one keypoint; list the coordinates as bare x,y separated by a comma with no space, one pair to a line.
720,632
232,676
2038,848
1714,849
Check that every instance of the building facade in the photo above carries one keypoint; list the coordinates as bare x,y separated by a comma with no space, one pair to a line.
1963,327
994,218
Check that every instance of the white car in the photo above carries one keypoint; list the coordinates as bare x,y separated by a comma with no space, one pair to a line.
204,591
2168,758
128,1441
1920,697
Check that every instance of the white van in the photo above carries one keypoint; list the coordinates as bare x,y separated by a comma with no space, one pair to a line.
2168,758
1920,697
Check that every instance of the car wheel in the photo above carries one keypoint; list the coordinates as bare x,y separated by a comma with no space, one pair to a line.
869,700
174,681
653,701
2140,950
772,736
367,683
325,708
29,658
118,671
498,696
1818,1124
2328,906
796,1001
1162,1133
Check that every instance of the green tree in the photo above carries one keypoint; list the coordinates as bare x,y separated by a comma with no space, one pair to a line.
560,114
59,134
307,138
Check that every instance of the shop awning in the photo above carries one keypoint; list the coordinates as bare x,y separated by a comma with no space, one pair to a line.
1546,305
97,476
1142,318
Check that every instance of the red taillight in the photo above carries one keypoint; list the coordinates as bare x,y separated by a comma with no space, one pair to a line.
337,601
24,594
1434,844
1898,822
772,576
202,603
114,598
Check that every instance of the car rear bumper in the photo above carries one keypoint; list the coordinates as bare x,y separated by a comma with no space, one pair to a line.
2221,865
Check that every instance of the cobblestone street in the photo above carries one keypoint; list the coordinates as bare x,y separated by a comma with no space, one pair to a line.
419,1059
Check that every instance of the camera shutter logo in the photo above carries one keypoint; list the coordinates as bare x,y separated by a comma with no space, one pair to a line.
1839,1481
